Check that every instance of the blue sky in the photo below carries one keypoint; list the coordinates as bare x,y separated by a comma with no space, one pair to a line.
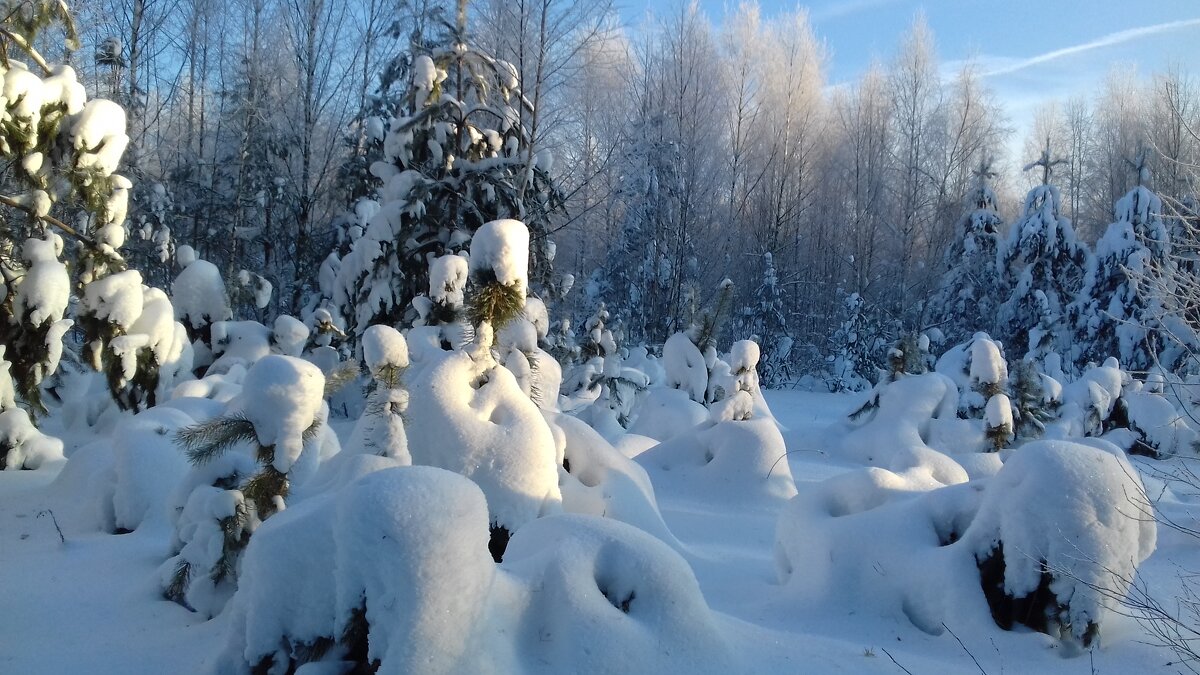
1033,51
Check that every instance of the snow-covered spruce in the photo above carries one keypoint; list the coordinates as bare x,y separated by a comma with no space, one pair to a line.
1042,264
245,461
454,157
1052,541
136,342
628,597
1057,538
32,333
1124,296
380,429
968,295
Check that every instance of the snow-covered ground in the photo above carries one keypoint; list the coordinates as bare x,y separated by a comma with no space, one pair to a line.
94,604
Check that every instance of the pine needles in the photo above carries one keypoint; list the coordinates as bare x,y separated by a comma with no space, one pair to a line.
496,303
705,332
208,440
180,579
339,377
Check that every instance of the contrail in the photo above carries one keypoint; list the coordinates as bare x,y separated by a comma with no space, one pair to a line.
1099,43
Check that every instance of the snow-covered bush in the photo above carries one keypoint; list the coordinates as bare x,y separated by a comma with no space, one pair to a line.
735,456
245,461
628,597
22,446
1057,539
896,432
468,414
602,390
200,301
380,429
1051,541
665,413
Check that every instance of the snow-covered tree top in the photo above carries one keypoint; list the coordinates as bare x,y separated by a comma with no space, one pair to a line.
501,247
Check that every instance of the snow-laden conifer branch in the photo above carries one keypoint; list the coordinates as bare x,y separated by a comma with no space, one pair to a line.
49,219
208,440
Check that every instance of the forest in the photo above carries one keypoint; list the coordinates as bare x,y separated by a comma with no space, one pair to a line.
511,336
682,154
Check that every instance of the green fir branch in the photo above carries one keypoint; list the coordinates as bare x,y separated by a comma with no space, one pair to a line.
208,440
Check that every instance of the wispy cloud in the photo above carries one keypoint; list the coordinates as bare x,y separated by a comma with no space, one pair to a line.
1004,66
837,10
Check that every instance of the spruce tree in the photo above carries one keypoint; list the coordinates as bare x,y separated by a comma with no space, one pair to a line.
767,320
1117,311
63,152
1042,265
970,290
454,157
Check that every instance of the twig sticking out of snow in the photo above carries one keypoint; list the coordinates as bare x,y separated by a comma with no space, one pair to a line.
889,655
53,519
968,651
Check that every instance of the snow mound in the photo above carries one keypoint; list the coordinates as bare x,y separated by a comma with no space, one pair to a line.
282,397
198,293
601,481
1056,539
22,446
384,346
735,461
905,414
665,413
148,465
502,248
472,418
1159,425
604,597
685,367
874,541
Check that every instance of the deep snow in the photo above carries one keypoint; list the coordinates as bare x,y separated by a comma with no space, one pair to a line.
93,604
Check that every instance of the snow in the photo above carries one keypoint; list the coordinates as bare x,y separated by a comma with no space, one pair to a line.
282,397
998,412
700,583
45,290
473,419
728,459
501,247
447,279
98,134
384,346
198,293
289,335
894,437
685,366
22,446
116,298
